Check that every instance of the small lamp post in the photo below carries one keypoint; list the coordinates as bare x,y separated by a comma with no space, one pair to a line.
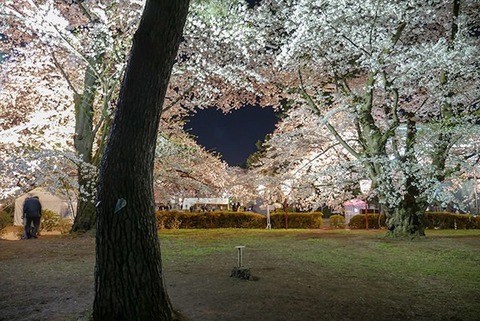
269,224
262,192
365,187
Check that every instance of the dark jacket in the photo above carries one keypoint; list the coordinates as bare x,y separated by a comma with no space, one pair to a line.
32,207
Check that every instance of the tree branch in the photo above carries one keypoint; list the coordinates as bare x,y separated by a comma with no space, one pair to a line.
332,130
64,74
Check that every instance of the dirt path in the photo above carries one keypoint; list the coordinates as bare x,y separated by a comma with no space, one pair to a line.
51,278
46,279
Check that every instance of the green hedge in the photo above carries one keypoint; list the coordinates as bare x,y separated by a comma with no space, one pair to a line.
375,221
221,219
49,221
217,219
297,220
5,220
337,221
445,220
433,220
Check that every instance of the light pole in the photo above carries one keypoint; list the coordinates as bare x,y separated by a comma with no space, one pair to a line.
269,225
261,191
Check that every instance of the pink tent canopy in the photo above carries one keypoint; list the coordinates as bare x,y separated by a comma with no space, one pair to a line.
355,203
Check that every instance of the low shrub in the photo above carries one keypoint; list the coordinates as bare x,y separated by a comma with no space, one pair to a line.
446,220
433,220
227,219
217,219
337,221
5,220
375,221
297,220
65,225
166,219
49,221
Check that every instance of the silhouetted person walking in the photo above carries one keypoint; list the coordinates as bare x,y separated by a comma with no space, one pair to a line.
32,211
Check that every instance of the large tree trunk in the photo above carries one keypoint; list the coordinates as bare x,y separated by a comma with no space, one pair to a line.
128,272
85,216
408,218
83,142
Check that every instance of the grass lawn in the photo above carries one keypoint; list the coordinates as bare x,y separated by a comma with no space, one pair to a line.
300,275
354,275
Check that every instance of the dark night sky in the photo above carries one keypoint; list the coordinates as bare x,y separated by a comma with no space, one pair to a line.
232,135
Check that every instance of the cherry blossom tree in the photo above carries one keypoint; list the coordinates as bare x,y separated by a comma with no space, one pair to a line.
404,77
72,41
27,143
185,169
317,170
81,45
242,186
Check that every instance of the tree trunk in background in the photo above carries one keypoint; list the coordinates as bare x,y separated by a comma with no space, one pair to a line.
83,142
85,216
407,219
128,272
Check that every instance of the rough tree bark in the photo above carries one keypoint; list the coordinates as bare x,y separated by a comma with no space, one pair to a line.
128,272
408,217
83,142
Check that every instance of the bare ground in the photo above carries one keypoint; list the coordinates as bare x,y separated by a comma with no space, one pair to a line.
51,278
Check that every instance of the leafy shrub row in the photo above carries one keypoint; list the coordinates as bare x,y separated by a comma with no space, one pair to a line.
220,219
444,220
297,220
51,221
337,221
5,220
433,220
178,219
375,221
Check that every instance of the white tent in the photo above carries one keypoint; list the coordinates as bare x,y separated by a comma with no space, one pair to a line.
218,203
353,207
48,200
